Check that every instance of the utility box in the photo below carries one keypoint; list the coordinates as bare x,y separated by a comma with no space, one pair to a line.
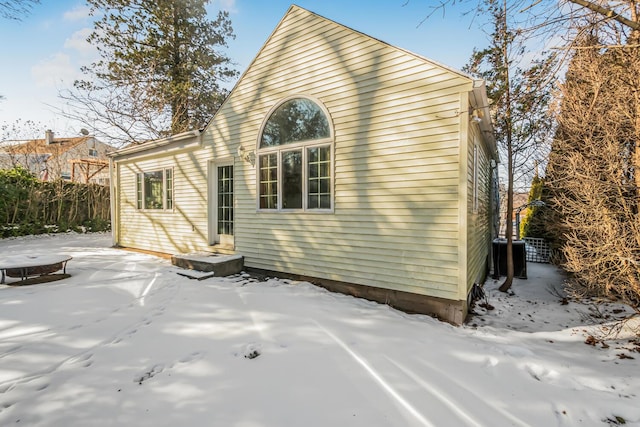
500,258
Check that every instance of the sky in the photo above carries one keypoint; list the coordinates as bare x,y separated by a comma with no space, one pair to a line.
42,54
127,340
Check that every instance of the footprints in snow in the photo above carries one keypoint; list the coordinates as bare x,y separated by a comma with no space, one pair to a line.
160,367
37,384
149,373
248,351
11,351
6,405
84,360
136,327
540,373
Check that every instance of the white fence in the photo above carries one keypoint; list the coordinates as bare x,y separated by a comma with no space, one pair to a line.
537,249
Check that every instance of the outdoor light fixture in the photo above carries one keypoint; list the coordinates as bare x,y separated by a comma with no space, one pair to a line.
247,156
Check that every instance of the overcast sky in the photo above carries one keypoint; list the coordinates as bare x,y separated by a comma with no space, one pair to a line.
43,53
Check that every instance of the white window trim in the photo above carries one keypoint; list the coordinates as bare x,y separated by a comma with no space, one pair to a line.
140,182
299,145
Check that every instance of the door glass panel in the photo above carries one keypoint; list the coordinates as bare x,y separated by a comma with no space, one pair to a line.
225,200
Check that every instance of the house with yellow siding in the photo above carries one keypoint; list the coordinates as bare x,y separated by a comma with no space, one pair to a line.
336,158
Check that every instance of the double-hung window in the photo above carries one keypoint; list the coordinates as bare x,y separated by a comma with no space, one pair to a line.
295,158
154,189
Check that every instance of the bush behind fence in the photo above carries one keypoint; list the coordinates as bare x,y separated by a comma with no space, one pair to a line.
30,206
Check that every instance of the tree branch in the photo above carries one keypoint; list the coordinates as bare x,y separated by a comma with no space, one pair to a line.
608,13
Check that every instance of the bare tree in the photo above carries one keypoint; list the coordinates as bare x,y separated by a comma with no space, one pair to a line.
16,9
520,93
592,175
17,132
623,12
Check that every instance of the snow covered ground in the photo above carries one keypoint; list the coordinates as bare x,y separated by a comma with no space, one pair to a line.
127,341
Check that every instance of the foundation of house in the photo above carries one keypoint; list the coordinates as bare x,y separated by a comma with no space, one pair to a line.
221,265
450,311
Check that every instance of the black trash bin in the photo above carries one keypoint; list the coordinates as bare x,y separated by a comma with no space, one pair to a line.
500,258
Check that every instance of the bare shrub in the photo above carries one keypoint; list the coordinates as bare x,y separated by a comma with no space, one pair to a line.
593,175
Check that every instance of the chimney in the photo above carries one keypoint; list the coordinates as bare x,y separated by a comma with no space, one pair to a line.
48,136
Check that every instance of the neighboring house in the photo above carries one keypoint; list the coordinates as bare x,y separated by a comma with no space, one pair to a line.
336,158
79,159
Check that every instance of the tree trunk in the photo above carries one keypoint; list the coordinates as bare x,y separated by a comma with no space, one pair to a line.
506,285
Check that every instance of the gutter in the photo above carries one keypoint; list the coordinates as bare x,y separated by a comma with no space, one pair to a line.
158,143
480,104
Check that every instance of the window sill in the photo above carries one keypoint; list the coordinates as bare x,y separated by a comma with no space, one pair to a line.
296,211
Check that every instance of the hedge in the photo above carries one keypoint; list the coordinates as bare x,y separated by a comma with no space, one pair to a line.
31,206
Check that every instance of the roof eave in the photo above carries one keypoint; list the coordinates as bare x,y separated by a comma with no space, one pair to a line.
163,142
480,102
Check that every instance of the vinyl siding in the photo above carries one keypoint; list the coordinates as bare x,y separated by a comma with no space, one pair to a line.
182,229
395,119
396,123
479,222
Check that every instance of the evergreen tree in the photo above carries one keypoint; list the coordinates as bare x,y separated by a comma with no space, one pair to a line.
159,70
532,225
519,98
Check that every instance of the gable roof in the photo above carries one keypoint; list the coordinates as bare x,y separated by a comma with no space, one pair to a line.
56,147
479,98
294,8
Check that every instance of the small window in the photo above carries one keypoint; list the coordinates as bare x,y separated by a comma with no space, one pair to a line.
93,152
139,198
295,158
154,190
168,188
269,181
319,178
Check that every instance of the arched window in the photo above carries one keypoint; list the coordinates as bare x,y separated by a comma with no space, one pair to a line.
295,158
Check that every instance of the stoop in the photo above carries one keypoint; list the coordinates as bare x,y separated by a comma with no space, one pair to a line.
221,265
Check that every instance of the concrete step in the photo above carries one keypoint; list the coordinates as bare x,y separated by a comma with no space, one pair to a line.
221,265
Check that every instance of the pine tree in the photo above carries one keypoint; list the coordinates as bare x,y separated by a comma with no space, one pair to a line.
531,225
159,70
519,99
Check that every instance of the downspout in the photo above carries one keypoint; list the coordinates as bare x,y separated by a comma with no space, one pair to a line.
463,212
481,105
